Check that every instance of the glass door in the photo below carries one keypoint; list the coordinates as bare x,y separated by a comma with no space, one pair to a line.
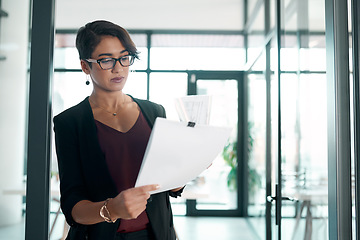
300,170
304,154
217,189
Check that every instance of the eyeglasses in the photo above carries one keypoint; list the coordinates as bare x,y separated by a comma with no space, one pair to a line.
109,63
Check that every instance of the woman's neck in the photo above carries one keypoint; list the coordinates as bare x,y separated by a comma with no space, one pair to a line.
113,100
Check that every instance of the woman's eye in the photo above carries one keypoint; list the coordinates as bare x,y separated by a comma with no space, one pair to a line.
107,61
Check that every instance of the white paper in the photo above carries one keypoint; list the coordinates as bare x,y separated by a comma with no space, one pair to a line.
177,154
194,108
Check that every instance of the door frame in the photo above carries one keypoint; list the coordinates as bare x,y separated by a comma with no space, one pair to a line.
242,174
39,120
356,88
339,132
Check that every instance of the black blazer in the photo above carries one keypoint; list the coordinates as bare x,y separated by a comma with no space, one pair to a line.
84,174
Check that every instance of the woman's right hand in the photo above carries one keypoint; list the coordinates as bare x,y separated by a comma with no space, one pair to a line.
129,204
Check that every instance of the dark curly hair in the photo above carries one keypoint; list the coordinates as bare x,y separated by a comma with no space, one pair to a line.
89,36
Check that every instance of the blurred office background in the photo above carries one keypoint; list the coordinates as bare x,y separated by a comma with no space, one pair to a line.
278,74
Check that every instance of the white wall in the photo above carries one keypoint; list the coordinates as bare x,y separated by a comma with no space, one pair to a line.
13,91
156,14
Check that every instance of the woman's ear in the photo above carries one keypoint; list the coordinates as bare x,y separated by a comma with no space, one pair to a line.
85,66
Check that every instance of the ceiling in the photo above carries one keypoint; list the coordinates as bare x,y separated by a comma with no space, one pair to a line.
155,14
186,14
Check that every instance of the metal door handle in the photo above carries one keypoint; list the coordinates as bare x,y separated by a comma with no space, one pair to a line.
271,199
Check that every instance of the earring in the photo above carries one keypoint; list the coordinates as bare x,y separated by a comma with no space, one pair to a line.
87,79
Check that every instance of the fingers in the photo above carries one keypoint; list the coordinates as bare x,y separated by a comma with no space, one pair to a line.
148,188
139,193
129,204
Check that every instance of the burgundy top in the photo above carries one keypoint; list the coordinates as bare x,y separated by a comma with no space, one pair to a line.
124,153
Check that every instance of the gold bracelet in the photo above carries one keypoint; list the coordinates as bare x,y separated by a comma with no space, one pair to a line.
104,210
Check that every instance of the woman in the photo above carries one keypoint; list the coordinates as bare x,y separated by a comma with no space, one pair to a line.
100,144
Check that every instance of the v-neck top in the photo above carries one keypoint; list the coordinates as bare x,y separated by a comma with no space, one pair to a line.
123,153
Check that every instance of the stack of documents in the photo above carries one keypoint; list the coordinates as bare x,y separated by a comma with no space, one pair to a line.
194,108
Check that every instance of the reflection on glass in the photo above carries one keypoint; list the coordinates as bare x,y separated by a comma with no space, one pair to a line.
303,121
272,14
216,183
14,82
260,63
257,143
251,8
304,156
256,34
274,88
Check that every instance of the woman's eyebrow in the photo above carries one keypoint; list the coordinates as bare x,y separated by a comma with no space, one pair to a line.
110,54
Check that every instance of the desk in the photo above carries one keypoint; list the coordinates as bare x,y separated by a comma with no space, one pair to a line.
308,197
191,195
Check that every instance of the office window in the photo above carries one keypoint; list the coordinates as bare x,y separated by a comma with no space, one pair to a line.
196,52
165,87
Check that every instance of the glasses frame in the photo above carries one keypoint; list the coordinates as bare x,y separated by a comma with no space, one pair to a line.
115,60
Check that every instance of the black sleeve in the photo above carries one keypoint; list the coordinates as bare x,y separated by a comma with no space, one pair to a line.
72,186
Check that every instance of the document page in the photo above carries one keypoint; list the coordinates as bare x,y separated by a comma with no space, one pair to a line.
194,108
177,153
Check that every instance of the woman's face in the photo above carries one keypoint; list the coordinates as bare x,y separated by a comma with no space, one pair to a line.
110,80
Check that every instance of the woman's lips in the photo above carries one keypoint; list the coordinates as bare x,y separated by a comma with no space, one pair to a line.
117,79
